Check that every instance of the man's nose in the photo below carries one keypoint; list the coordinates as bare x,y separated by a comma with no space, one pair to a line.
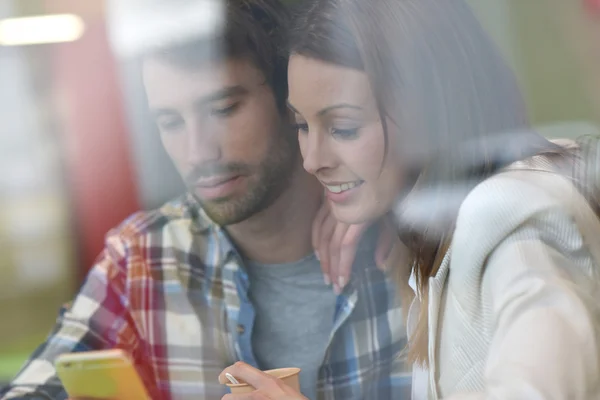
202,143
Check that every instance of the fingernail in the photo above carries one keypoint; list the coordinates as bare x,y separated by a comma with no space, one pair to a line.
336,290
317,255
231,378
341,282
326,279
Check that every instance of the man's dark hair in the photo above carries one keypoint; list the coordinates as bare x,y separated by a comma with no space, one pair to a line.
252,29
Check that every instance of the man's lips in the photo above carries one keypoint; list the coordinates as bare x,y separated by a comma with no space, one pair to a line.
221,187
214,181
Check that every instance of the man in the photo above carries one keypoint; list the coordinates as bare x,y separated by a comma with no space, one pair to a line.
227,272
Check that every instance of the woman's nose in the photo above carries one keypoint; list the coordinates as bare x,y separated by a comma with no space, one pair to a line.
315,151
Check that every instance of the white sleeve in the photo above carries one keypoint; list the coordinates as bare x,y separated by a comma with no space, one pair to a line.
545,307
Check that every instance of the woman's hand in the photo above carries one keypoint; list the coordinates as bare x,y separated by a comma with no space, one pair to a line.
335,245
267,387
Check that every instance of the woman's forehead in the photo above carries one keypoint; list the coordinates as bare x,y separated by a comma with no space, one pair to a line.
315,84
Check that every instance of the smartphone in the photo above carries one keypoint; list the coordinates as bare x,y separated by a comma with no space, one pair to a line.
106,374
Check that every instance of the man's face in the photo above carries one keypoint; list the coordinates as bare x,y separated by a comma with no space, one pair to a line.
220,124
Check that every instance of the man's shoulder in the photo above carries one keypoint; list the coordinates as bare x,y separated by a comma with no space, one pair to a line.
182,212
169,228
173,238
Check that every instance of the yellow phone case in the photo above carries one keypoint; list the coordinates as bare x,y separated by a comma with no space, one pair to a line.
107,374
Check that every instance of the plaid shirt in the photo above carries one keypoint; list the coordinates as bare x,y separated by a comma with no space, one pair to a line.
170,289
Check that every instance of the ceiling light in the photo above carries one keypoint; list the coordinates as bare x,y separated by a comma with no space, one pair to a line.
56,28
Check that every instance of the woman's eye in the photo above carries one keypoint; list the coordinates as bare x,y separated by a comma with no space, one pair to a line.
303,128
347,133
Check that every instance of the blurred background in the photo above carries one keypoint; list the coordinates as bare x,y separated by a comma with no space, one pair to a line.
78,152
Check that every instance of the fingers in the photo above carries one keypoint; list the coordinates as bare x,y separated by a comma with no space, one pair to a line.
323,228
324,247
318,224
335,244
347,253
254,377
334,256
267,387
223,378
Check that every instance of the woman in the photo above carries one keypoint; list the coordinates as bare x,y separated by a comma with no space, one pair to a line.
405,106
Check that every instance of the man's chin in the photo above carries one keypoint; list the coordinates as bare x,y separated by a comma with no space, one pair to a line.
214,202
226,211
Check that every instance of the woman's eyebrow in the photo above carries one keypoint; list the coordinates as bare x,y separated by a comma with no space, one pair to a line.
338,106
328,109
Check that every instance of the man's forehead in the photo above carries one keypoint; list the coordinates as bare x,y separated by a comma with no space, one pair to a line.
169,85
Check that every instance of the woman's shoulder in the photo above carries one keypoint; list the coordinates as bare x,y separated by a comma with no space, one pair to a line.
505,201
568,182
519,199
513,210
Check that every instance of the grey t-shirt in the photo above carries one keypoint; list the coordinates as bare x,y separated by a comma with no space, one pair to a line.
294,317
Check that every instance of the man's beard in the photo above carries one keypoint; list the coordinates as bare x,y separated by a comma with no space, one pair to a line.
265,182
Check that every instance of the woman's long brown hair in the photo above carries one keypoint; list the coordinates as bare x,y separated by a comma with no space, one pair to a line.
440,84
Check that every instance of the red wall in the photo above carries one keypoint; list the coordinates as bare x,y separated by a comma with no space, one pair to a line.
99,165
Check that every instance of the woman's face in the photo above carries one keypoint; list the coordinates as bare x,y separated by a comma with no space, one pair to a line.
342,139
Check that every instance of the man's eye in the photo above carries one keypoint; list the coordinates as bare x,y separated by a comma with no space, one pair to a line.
225,111
170,124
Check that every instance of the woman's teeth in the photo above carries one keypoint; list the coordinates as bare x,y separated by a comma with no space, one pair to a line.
343,187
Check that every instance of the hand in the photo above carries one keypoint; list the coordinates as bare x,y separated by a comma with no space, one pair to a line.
335,244
267,387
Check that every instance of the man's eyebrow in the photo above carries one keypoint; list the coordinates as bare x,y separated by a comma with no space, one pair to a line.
223,93
159,112
217,95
